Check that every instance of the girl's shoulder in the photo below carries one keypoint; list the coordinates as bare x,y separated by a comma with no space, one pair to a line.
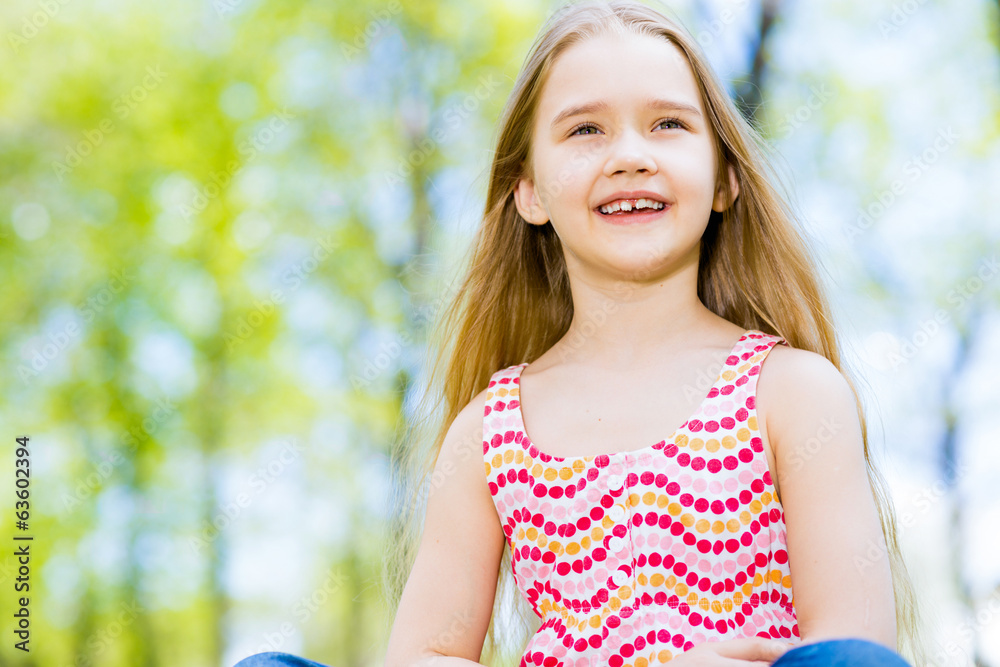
796,387
794,369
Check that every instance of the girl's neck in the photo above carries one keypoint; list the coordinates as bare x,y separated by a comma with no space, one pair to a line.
626,324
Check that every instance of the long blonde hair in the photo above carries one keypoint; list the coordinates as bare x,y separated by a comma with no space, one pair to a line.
513,300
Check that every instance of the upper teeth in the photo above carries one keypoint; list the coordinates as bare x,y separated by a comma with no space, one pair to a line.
627,205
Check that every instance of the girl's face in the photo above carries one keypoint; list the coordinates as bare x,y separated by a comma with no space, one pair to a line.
618,116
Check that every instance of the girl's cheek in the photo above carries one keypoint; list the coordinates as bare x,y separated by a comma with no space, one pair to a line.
563,181
691,175
582,161
549,191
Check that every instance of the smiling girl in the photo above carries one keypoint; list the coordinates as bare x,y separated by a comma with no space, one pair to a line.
654,493
611,439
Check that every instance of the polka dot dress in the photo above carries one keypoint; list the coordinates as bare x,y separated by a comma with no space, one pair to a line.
632,558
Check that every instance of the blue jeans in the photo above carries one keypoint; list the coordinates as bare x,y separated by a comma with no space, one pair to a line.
849,652
273,659
828,653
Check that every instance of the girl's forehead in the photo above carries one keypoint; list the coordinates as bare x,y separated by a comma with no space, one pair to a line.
616,70
604,72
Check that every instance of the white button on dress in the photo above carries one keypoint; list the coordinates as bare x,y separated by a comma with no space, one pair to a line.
617,513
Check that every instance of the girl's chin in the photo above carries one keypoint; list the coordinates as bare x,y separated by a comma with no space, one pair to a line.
641,263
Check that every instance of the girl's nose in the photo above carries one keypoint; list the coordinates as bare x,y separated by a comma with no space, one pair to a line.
630,152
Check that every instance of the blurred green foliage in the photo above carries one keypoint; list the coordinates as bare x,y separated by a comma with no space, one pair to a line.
193,280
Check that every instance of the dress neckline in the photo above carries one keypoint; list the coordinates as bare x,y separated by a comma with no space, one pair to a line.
633,452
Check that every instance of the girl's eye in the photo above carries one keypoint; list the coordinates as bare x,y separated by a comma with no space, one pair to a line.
676,122
582,126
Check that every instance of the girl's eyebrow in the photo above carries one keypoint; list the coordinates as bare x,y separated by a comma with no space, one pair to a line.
601,105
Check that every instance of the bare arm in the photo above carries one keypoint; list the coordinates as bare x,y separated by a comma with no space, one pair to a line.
445,608
841,581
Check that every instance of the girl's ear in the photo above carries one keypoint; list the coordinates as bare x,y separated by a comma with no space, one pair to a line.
719,203
527,202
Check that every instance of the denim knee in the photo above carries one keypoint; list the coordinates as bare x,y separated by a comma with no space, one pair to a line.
274,659
846,652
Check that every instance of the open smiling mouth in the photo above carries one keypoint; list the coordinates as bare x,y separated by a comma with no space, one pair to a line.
632,210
